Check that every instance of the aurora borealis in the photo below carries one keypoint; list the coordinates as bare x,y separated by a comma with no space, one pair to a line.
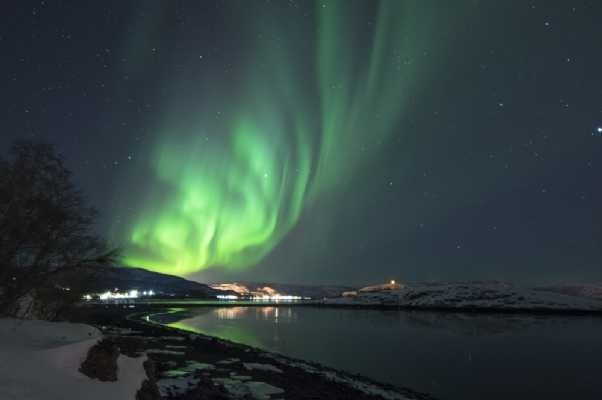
227,199
322,141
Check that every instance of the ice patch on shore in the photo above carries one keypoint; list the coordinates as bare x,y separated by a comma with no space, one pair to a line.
173,346
261,367
177,338
228,361
163,351
257,390
190,368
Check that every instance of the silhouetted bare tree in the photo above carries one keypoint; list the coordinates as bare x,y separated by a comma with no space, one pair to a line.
45,224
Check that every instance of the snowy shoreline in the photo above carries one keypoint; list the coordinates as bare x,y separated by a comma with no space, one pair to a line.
41,360
189,365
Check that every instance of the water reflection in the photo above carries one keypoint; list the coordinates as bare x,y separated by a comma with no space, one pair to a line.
475,324
272,314
468,324
451,355
229,312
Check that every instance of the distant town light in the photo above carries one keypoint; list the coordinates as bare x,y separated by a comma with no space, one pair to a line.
392,281
227,297
109,295
276,297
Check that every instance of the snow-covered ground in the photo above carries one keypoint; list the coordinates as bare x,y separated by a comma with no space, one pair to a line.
41,360
591,290
494,296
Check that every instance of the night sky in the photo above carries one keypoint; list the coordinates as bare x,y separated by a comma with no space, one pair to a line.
328,142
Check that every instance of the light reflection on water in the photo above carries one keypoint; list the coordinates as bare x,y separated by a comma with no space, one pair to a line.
450,355
273,314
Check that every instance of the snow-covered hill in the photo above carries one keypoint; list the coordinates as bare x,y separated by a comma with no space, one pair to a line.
486,296
590,290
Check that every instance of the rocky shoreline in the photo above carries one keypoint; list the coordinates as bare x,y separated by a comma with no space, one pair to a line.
183,366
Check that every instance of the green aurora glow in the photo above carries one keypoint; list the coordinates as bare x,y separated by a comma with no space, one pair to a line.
299,122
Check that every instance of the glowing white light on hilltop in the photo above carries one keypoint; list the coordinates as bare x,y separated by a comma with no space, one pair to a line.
392,281
105,296
233,287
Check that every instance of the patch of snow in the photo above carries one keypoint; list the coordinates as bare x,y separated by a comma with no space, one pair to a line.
179,338
364,387
190,368
229,361
295,364
175,373
197,366
163,351
140,337
261,367
43,334
234,387
234,375
171,346
262,390
257,390
120,331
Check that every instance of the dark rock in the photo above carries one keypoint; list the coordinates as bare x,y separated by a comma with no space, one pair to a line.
205,390
149,389
101,361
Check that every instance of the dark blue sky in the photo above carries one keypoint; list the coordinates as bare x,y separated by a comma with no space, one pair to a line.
495,172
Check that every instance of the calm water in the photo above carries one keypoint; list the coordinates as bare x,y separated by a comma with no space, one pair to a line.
452,356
